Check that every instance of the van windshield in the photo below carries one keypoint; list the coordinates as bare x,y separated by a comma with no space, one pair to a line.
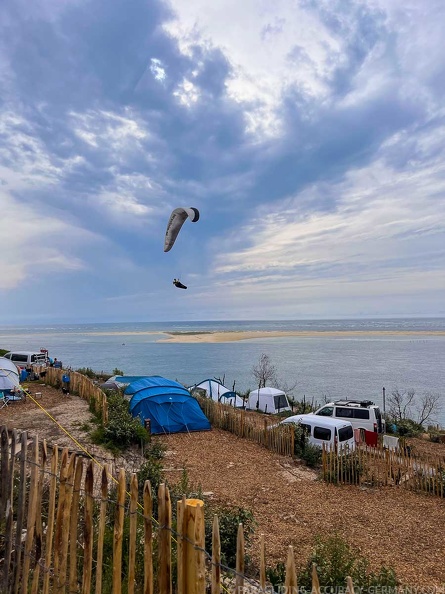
280,401
345,433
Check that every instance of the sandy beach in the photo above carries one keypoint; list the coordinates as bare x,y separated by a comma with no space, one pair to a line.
231,336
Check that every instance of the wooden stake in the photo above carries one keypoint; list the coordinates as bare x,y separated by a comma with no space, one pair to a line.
262,563
148,539
216,557
239,580
133,530
290,583
51,511
118,535
101,532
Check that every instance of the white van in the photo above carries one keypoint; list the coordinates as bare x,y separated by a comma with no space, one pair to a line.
268,400
27,358
331,433
362,414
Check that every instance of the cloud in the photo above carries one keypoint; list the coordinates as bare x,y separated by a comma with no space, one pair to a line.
310,135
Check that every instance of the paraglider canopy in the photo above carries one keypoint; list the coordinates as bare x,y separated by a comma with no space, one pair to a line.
177,219
178,284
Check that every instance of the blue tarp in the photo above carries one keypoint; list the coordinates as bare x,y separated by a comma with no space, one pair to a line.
168,405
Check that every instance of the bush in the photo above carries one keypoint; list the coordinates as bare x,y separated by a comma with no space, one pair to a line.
408,428
229,520
122,429
312,455
87,371
335,559
349,470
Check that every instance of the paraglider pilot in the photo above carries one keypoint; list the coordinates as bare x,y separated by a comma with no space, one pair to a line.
178,284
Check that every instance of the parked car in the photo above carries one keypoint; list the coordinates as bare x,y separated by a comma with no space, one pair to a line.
362,414
26,359
322,431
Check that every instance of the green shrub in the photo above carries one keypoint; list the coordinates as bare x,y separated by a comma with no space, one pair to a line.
312,455
276,575
87,371
122,429
349,470
335,559
408,428
117,371
229,520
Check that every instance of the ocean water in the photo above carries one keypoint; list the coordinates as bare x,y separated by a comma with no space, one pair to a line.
323,367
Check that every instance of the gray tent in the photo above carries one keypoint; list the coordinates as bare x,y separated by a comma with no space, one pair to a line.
9,374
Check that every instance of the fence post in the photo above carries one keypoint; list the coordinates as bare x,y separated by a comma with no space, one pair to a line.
4,471
39,524
101,535
239,578
180,546
216,557
262,562
290,583
9,509
51,510
88,530
65,529
73,525
133,530
118,535
165,517
30,525
315,581
148,540
20,512
193,535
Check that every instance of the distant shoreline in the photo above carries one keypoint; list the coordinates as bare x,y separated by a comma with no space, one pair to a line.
215,336
235,335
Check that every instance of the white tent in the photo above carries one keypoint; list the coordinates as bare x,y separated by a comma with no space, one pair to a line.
9,374
218,392
268,400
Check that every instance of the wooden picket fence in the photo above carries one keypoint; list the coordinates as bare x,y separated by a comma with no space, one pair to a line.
250,425
81,386
56,536
376,466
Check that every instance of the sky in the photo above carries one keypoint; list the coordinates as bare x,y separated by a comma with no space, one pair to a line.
309,134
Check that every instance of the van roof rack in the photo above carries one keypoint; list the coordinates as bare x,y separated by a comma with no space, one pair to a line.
363,403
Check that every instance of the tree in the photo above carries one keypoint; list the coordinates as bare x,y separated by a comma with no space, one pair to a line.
399,404
428,408
405,405
264,371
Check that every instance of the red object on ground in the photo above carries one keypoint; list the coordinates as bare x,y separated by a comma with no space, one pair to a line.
371,438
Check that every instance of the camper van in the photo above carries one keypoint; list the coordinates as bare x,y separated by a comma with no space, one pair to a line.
322,431
362,414
268,400
27,358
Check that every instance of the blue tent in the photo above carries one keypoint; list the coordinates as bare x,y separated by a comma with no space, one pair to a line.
168,405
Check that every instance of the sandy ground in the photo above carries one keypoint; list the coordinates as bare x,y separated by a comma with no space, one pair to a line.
290,505
230,336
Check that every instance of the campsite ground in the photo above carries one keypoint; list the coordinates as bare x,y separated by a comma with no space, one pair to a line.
390,526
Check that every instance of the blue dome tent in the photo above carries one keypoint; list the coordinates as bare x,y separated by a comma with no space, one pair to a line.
168,405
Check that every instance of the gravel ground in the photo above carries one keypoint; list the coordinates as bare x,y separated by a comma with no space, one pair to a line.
389,526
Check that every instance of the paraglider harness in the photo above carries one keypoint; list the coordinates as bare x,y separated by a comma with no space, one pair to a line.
178,284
